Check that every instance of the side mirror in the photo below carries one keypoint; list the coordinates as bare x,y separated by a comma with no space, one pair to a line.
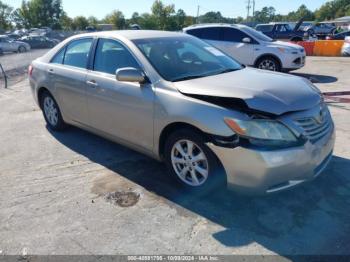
130,74
247,40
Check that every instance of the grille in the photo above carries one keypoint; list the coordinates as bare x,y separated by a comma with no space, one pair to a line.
315,128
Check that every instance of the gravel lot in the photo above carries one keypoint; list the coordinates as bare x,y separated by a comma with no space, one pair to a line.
54,193
11,61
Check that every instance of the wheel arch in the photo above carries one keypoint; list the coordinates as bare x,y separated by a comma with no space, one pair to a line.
268,55
169,129
40,92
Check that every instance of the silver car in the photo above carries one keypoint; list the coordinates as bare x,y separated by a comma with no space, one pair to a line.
8,45
178,99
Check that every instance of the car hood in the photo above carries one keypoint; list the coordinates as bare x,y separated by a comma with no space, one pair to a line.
284,45
264,91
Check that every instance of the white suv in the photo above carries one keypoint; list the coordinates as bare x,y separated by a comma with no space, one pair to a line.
251,47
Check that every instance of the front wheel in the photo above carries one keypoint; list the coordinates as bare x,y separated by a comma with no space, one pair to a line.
22,49
191,162
268,63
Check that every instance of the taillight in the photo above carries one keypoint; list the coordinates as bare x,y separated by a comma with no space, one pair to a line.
30,70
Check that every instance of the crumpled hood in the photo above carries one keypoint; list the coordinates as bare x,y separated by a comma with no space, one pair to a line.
261,90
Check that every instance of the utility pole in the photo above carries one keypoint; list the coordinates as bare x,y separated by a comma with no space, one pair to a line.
248,9
253,8
198,7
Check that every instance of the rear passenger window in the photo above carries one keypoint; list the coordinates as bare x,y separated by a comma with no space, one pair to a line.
58,58
209,33
111,55
77,53
233,35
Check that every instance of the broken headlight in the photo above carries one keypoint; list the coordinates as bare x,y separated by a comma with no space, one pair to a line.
263,132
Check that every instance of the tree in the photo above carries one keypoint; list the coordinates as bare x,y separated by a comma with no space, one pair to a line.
5,11
93,21
80,23
162,14
332,10
302,13
116,18
267,14
38,13
66,22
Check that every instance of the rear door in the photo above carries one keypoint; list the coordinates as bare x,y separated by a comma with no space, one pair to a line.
68,71
120,109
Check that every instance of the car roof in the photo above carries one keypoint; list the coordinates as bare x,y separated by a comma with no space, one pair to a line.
213,25
133,34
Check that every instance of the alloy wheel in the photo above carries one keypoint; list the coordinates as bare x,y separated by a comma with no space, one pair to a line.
268,64
190,163
51,111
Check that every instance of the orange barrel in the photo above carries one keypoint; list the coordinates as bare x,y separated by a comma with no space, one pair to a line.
308,46
328,47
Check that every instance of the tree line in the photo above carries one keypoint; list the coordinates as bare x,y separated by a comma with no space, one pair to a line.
40,13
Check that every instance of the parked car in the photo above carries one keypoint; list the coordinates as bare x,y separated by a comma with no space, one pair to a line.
9,45
339,36
346,47
176,98
282,31
321,29
39,41
251,47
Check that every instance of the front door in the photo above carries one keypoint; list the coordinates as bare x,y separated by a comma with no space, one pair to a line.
121,109
234,46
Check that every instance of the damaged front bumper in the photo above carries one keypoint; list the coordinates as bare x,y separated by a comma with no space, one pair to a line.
253,171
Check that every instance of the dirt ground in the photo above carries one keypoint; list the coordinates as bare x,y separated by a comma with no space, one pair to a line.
57,193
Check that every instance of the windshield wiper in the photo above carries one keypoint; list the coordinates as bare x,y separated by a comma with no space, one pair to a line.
227,70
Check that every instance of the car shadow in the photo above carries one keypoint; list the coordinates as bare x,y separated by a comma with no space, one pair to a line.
314,78
311,219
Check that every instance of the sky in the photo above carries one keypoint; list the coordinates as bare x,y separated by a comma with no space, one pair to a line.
228,8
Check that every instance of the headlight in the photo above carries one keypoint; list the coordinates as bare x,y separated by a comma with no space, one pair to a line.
288,50
263,132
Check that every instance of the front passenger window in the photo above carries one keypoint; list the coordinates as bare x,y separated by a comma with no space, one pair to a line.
111,55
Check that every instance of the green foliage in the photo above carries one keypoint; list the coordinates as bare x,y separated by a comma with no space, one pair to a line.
80,23
116,18
5,11
38,13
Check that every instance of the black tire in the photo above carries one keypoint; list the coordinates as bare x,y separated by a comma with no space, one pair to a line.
58,125
216,176
275,64
22,49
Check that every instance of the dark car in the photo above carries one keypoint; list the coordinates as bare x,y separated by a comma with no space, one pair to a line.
40,41
281,31
340,36
320,29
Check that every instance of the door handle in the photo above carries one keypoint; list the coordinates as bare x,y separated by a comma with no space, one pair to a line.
51,71
92,83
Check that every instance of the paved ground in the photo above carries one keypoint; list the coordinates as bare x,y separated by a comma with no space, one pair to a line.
12,61
53,187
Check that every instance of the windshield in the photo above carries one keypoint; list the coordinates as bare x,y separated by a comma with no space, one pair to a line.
184,58
258,35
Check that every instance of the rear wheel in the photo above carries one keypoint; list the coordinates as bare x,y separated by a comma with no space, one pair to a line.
52,113
190,161
268,63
